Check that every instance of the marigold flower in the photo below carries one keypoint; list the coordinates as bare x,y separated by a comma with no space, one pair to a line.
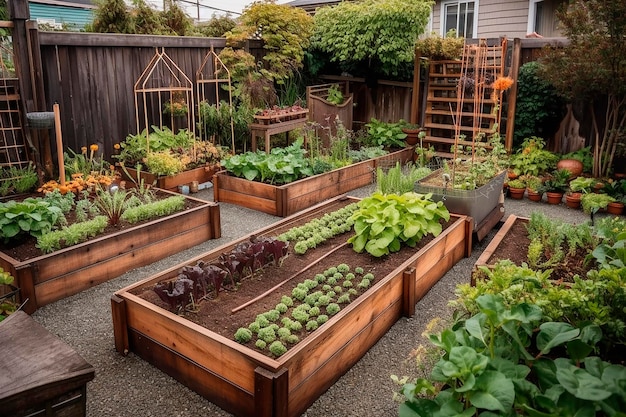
93,147
83,150
503,83
116,146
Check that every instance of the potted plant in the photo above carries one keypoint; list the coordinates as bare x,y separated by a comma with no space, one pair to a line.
533,187
412,131
532,158
472,185
577,187
556,185
517,188
593,202
617,190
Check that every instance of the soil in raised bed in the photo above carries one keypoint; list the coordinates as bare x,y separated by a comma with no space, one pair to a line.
25,248
215,313
515,248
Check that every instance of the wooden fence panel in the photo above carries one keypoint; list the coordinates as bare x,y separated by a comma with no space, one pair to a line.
92,77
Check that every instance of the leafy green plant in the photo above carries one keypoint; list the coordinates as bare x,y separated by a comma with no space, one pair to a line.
18,179
72,235
385,134
164,163
31,216
399,179
376,34
593,202
583,155
441,48
135,148
557,182
539,107
517,183
155,209
111,204
582,184
508,360
335,96
532,158
280,166
383,223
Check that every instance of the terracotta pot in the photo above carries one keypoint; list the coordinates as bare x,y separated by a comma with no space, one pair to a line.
615,208
574,166
516,193
573,200
554,198
511,175
412,136
534,195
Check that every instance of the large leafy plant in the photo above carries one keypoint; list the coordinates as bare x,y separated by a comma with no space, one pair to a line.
379,33
29,217
280,166
383,223
385,134
506,361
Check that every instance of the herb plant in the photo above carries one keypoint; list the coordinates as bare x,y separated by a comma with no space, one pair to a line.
383,223
399,179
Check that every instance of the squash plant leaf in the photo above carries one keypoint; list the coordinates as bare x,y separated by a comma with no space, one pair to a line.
493,391
553,334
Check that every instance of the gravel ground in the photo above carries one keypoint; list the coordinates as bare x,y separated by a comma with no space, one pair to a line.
128,386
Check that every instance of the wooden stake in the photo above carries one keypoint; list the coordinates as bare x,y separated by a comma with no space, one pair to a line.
59,136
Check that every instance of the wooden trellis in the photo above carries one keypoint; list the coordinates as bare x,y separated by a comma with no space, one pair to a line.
164,96
211,78
13,150
461,108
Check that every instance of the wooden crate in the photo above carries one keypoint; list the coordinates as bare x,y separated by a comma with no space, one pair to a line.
245,382
285,200
41,375
68,271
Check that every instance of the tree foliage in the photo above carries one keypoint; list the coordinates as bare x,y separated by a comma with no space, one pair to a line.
285,32
217,26
381,32
115,16
593,67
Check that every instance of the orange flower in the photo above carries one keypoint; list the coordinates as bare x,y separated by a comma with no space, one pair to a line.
116,146
93,147
503,83
83,150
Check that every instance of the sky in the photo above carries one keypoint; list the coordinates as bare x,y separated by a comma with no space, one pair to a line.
206,8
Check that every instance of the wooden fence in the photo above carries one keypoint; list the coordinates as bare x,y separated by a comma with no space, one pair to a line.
92,77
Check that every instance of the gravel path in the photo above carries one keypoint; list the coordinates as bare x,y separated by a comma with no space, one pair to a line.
128,386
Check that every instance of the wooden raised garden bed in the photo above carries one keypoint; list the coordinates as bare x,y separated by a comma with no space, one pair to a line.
246,382
48,278
285,200
171,183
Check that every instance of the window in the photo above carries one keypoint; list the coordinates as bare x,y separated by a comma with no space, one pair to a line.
542,19
459,15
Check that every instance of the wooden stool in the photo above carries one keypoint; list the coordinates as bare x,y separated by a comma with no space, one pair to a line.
39,373
267,130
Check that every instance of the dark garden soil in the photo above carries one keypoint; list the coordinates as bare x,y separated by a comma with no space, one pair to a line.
215,313
24,249
515,248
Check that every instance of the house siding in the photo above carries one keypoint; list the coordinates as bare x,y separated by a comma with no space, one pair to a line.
495,18
72,16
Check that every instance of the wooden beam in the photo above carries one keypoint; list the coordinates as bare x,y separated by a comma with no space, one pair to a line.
415,97
512,97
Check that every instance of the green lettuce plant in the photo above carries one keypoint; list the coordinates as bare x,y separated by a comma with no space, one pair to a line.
31,216
383,223
506,361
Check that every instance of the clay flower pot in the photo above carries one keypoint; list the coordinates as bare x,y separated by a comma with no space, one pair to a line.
516,193
616,208
574,166
412,135
534,195
572,200
554,198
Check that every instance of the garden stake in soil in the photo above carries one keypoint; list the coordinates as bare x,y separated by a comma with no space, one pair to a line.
280,284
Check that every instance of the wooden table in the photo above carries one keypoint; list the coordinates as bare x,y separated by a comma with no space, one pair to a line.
267,130
39,373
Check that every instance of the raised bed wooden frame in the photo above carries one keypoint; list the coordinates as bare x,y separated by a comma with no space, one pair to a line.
171,183
492,247
68,271
245,382
285,200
